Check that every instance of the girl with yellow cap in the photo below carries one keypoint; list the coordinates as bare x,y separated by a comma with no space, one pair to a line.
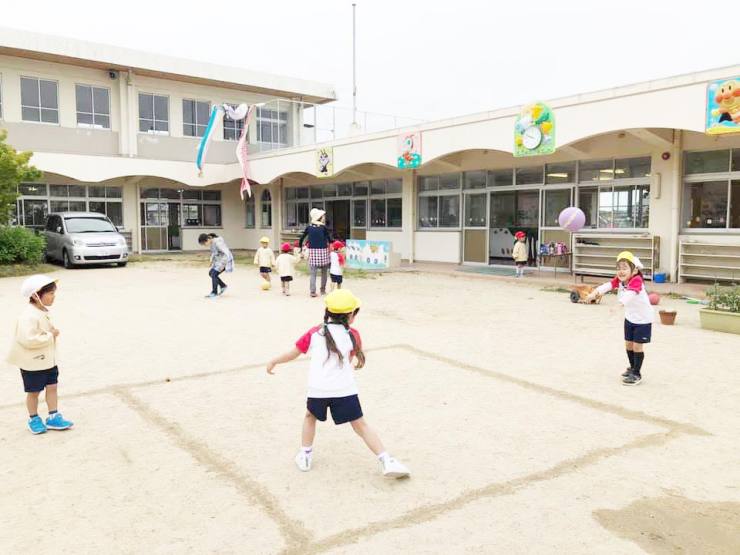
265,259
335,350
638,313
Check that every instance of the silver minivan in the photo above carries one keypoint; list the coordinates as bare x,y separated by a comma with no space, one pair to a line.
76,238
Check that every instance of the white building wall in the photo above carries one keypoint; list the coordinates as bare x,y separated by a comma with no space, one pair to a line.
438,246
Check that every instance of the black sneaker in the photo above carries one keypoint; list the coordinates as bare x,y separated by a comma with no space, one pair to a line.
632,379
627,372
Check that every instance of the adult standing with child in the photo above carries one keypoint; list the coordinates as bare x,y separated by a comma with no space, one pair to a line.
318,249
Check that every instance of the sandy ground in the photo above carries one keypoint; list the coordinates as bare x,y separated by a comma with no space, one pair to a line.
504,400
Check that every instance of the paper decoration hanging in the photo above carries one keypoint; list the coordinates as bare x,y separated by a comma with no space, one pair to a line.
534,131
409,150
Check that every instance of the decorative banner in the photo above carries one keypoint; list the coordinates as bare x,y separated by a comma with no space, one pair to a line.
325,162
409,150
534,131
723,106
368,255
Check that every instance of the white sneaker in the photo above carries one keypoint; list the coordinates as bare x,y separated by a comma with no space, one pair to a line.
394,469
303,460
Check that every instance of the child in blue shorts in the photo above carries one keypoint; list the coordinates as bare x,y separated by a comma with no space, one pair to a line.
332,347
638,312
34,351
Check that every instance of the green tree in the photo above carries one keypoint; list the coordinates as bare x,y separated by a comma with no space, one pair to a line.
14,169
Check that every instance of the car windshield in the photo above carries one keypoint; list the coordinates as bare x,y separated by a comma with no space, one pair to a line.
89,225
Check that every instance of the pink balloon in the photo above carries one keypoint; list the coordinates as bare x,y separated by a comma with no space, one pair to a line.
572,219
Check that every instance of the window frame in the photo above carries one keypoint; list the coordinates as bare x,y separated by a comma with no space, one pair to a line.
265,203
94,112
438,193
727,176
384,197
236,125
195,124
154,119
39,107
250,201
274,123
48,197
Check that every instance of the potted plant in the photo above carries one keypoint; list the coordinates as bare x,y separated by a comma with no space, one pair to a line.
723,312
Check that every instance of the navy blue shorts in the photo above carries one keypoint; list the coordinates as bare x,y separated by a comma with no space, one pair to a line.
637,333
265,270
35,381
336,279
343,409
286,279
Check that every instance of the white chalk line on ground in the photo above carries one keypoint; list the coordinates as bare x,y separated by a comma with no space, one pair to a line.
299,539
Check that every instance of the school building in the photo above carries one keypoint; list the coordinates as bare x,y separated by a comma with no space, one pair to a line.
116,131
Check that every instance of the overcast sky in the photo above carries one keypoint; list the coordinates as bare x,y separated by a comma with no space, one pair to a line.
426,59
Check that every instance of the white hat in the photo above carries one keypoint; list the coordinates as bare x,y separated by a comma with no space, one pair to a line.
638,264
316,215
34,284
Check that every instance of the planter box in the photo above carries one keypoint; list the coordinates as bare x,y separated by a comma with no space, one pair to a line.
717,320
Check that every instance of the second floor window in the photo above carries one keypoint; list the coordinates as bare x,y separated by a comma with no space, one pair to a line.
93,106
154,113
272,127
195,117
232,129
39,100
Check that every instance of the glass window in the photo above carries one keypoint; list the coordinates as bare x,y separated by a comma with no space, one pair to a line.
77,191
377,187
289,193
735,204
394,187
195,117
395,212
360,189
632,167
475,180
527,208
272,127
32,189
212,215
302,213
39,100
588,201
606,209
448,182
449,211
150,193
555,202
317,192
475,210
94,191
501,178
114,211
503,209
301,192
711,161
344,190
58,191
93,106
529,176
736,160
428,211
595,170
211,195
113,192
330,190
172,194
705,204
154,113
377,213
359,208
34,212
192,214
428,183
641,206
232,128
622,200
266,209
250,212
560,173
189,194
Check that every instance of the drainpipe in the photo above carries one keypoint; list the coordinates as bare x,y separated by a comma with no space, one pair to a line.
676,203
412,224
138,219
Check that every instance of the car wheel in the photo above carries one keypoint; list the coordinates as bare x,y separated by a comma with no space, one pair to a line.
66,260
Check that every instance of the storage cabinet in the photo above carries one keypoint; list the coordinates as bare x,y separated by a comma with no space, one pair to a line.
701,259
596,254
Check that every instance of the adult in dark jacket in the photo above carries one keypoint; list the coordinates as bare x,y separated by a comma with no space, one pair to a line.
318,248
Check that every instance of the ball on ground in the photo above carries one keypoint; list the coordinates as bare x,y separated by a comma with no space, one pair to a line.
265,286
654,298
572,219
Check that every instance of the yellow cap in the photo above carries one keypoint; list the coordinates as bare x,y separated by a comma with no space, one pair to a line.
264,239
626,255
342,301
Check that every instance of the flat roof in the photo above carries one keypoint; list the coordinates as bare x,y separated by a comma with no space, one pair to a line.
63,50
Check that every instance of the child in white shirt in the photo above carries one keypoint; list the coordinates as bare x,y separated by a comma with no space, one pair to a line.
265,259
285,263
336,264
638,313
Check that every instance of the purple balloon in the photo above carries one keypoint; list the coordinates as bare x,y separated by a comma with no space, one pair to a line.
572,219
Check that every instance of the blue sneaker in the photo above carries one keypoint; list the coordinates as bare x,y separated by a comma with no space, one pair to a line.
211,296
57,422
223,290
36,425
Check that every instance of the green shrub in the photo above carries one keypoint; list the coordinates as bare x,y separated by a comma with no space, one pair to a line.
724,298
19,245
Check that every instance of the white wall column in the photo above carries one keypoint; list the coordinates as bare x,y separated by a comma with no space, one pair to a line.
409,211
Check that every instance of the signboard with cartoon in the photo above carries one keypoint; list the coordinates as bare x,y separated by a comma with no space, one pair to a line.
723,106
368,255
409,150
534,131
325,161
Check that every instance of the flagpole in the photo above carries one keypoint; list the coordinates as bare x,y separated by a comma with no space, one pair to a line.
354,68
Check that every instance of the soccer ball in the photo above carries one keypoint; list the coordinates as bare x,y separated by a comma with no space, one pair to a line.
265,286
